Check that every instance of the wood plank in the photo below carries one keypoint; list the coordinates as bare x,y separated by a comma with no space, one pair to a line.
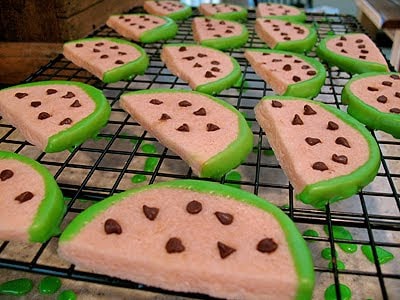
395,57
389,11
65,9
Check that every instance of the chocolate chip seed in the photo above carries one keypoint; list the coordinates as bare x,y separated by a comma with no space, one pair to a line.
224,218
200,112
359,41
341,159
286,38
43,115
342,141
36,103
165,117
184,128
6,174
121,53
79,45
96,50
224,250
395,110
297,61
332,126
197,65
287,67
339,44
51,91
319,166
101,44
76,104
184,103
397,94
296,78
104,56
312,141
150,212
68,95
297,120
194,207
267,245
276,104
20,95
119,62
276,60
364,51
372,89
387,83
308,110
361,46
215,69
212,127
343,51
305,67
362,57
188,57
174,245
201,55
395,76
156,102
66,121
209,75
311,73
23,197
382,99
115,47
342,38
215,63
111,226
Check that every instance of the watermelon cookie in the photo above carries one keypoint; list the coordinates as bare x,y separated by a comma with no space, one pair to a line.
193,236
353,53
109,59
209,134
31,203
171,9
205,69
281,11
143,28
326,154
224,11
55,115
374,99
285,35
287,73
219,34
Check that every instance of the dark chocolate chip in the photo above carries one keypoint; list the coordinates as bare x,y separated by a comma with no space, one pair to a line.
217,35
188,57
276,104
364,51
20,95
212,127
127,20
215,63
312,141
319,166
104,56
184,127
182,49
43,115
68,95
395,76
194,207
165,117
121,53
343,51
339,44
66,121
78,45
297,120
150,212
119,62
211,28
174,245
372,89
36,103
382,99
287,67
296,78
209,75
267,21
155,22
308,110
342,38
395,110
276,29
276,60
51,91
341,159
114,47
267,245
215,69
397,94
297,61
266,53
288,56
111,226
387,83
359,41
361,46
155,102
228,31
275,25
23,197
200,112
222,22
305,67
342,141
332,126
362,57
311,73
225,250
6,174
96,50
184,103
76,104
224,218
283,34
286,38
100,44
197,65
288,23
201,55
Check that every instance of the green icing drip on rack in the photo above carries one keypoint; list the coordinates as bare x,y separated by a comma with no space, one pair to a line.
17,287
340,232
312,233
150,164
339,265
234,176
330,292
246,116
49,285
384,256
149,148
327,253
67,295
138,178
268,152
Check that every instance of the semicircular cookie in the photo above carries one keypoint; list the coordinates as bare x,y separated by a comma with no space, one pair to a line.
207,70
109,59
31,203
55,115
288,74
281,11
219,34
353,53
209,134
284,35
143,28
193,236
171,9
326,154
374,99
224,11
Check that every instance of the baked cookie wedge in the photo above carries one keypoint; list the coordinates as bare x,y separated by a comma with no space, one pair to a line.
55,115
374,99
287,73
326,154
209,134
353,53
281,11
193,236
109,59
31,203
171,9
219,34
224,11
143,28
206,70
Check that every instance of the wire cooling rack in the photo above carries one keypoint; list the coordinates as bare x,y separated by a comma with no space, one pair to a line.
120,154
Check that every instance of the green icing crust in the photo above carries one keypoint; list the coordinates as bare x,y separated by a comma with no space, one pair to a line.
85,128
234,154
307,88
348,64
224,43
240,16
137,66
181,14
48,217
298,248
300,18
332,190
164,32
369,115
221,84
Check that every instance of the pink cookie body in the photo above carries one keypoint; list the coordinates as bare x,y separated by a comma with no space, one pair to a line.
212,9
273,9
162,8
205,29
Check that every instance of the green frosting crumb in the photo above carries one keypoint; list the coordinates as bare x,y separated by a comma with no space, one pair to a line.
340,232
330,292
17,287
312,233
327,253
49,285
268,152
150,164
138,178
384,256
149,148
67,295
234,176
339,265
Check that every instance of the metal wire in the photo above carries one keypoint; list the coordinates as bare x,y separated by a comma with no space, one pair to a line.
117,155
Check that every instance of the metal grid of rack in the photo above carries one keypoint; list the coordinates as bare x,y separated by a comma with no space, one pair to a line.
105,165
